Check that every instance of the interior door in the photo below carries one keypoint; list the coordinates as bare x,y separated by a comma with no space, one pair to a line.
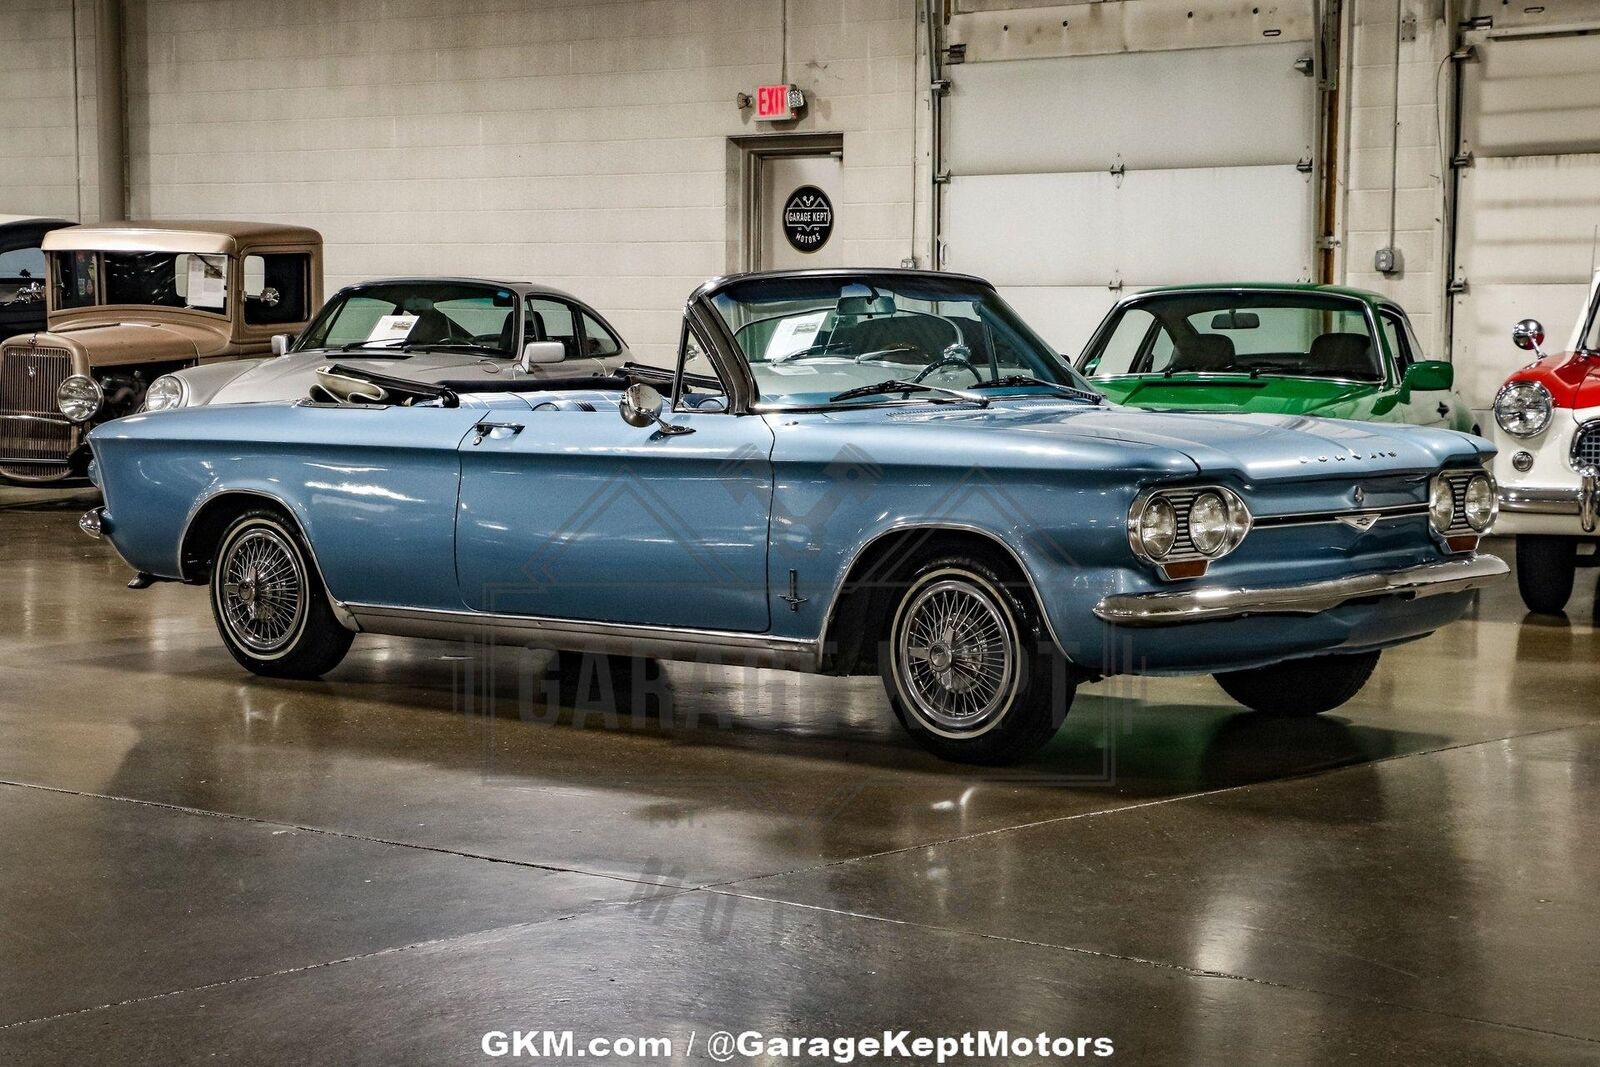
575,514
784,184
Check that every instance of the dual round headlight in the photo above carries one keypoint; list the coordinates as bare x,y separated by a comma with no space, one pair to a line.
1479,502
167,391
1214,520
79,397
1523,409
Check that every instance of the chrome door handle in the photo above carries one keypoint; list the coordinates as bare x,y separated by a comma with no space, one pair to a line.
496,429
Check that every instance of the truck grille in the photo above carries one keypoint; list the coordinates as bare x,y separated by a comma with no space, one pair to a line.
34,438
1586,446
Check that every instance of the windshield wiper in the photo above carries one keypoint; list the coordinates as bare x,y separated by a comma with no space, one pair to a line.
896,385
1012,380
390,351
450,346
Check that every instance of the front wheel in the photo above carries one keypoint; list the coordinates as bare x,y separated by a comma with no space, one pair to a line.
969,669
1308,686
1546,569
269,603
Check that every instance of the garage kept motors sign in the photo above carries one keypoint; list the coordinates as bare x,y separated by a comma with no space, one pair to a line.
808,218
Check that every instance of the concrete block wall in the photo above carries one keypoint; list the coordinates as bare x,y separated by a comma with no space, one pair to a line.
1423,171
47,145
580,143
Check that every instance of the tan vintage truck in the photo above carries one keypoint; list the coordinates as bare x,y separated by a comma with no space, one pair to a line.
131,301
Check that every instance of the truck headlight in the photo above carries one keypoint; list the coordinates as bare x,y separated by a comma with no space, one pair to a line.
167,391
1522,409
79,397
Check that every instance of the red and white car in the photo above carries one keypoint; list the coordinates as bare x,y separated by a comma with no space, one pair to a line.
1547,425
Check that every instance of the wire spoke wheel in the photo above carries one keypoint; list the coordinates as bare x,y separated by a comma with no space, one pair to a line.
956,656
262,590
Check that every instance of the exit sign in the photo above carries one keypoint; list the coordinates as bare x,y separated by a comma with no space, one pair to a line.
775,103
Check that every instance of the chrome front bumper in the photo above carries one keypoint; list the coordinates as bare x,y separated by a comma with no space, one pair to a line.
1210,605
1584,501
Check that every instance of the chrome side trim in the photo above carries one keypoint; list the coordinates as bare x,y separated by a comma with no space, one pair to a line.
538,631
959,527
1319,518
1541,501
1311,598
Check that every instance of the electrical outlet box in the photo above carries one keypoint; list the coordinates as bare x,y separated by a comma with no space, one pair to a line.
1386,261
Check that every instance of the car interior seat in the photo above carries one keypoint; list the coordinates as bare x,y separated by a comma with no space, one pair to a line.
1343,355
1206,352
927,334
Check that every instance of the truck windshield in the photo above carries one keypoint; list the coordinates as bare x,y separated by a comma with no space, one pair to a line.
187,280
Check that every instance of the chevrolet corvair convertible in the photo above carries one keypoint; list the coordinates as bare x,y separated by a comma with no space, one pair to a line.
846,472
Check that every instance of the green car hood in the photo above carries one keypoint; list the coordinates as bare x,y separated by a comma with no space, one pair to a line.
1268,395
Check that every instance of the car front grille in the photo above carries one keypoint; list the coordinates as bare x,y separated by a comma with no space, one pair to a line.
34,438
1586,446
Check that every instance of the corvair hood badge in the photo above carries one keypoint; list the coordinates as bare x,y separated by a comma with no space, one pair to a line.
1362,522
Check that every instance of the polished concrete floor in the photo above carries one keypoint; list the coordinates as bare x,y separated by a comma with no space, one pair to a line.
438,841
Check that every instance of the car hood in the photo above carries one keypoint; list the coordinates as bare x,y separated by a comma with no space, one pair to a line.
1271,395
289,377
1256,449
1573,378
111,344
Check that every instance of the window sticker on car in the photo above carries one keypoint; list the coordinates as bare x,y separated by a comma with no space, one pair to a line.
208,282
794,335
391,328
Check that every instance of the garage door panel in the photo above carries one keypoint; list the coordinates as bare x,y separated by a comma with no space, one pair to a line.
1198,225
1529,219
1083,113
1533,95
1064,315
1484,354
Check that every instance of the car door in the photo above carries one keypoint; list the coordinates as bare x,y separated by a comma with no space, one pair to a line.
574,514
1422,407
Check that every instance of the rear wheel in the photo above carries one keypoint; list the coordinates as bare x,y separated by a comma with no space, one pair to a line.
1546,569
269,603
969,669
1301,686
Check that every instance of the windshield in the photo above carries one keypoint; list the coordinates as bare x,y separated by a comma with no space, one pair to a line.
808,339
424,314
1301,335
186,280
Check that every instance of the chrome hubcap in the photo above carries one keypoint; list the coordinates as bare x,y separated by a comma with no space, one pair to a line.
262,595
955,656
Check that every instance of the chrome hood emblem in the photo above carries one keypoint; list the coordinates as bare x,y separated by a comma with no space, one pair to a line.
1363,522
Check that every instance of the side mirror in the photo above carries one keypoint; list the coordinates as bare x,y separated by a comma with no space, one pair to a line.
537,352
1430,375
1528,335
641,406
281,343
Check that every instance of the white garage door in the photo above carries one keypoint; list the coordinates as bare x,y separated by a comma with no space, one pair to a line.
1529,203
1074,179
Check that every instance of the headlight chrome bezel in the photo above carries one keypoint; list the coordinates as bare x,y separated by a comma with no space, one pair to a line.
1182,558
79,398
181,396
1448,495
1524,393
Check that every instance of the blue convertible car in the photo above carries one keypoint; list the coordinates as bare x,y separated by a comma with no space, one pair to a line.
846,472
